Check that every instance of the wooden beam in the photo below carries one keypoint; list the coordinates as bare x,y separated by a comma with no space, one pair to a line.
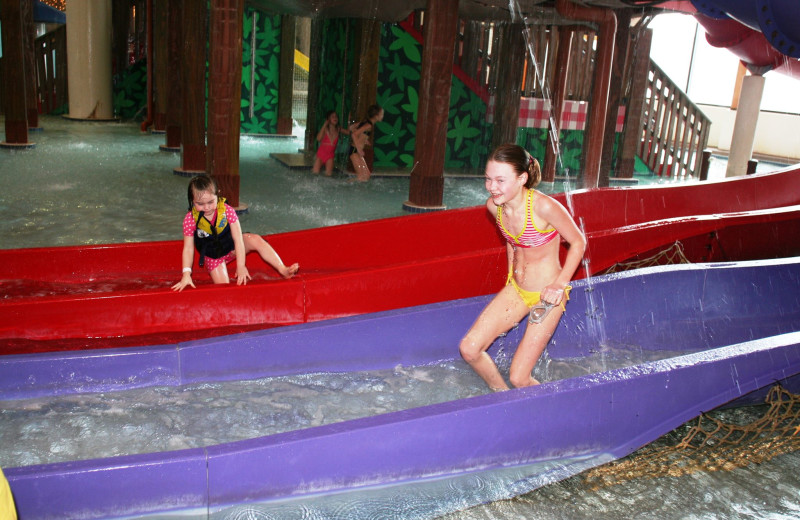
225,95
286,75
632,132
367,41
14,94
614,96
511,63
193,76
427,175
174,83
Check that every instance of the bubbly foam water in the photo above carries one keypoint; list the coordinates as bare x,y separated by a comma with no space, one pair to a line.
155,419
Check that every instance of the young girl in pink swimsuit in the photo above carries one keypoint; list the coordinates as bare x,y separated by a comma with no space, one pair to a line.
213,229
533,225
328,138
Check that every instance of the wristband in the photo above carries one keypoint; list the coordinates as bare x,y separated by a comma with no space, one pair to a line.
187,270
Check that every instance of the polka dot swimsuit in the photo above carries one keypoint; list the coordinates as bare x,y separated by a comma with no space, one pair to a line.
189,226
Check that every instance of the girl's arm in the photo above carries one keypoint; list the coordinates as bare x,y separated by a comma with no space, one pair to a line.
242,274
559,218
187,259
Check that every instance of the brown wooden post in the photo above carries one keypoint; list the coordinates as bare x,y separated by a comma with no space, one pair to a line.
174,81
312,105
365,75
160,64
61,81
593,135
286,75
632,133
120,21
14,94
32,90
225,95
193,72
614,95
553,145
426,189
510,63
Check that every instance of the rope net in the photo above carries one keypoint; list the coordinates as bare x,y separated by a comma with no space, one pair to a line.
712,445
672,255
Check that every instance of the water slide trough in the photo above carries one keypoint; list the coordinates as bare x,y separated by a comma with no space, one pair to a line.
724,332
98,296
763,34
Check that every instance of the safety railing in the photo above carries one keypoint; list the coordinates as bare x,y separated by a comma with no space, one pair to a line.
674,130
51,69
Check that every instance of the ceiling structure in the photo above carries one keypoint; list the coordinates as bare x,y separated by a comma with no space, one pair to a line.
533,11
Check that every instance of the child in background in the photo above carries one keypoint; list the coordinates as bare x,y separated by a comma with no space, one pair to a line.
213,229
359,136
328,138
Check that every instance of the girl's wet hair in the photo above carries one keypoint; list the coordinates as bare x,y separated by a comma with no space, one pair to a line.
520,161
201,183
373,111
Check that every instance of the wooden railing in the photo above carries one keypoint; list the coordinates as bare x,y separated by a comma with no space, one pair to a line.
51,69
674,130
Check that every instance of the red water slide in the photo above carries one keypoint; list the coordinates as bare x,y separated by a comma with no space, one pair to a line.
763,34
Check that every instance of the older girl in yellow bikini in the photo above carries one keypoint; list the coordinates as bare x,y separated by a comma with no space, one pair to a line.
531,223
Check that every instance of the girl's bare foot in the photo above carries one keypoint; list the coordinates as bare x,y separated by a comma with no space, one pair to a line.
288,272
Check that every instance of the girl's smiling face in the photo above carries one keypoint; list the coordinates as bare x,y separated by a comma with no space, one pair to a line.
502,182
206,203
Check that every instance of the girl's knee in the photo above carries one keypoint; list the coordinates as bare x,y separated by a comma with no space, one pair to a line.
470,350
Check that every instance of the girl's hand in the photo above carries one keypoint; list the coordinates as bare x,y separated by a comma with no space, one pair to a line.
553,294
186,279
242,275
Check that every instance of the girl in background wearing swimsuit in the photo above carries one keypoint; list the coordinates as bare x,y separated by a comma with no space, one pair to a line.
532,222
359,136
328,138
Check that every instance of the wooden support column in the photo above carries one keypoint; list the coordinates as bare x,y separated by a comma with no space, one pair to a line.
426,190
160,64
744,128
314,68
614,95
367,41
225,96
632,133
89,57
32,90
510,64
553,145
193,72
120,21
14,94
174,83
286,75
593,135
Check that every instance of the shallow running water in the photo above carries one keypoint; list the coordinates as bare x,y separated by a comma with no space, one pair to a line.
74,427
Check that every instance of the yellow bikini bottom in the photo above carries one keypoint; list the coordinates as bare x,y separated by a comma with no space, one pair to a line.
531,298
